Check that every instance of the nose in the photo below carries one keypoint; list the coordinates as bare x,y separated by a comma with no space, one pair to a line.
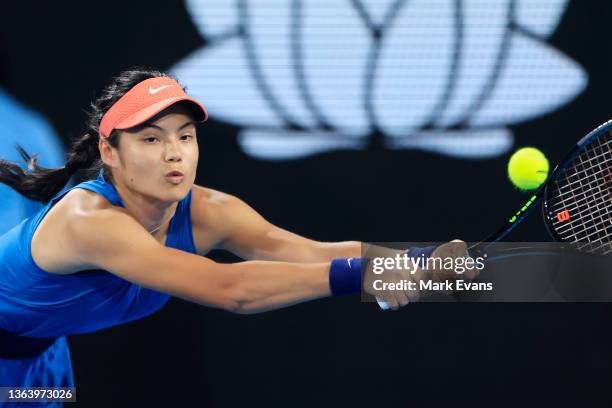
173,152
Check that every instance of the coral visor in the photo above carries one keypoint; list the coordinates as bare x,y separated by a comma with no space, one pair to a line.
144,101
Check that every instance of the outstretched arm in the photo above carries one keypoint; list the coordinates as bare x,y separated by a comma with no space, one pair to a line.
251,236
112,240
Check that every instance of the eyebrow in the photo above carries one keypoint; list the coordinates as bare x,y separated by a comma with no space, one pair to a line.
150,125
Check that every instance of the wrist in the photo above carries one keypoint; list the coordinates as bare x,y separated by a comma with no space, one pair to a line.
420,252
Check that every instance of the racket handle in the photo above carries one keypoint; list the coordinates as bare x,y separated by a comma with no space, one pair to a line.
383,305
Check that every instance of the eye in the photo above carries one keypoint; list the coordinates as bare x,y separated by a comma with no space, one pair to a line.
187,137
150,139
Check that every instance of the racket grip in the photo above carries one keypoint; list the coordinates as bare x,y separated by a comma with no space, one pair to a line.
383,305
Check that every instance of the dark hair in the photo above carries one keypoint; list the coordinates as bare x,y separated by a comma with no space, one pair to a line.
40,183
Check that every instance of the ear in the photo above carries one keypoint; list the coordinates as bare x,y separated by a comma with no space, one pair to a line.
108,154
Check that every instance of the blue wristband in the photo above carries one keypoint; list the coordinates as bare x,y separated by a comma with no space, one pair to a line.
416,252
420,255
345,275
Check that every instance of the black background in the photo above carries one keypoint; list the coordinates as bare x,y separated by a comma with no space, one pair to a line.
57,55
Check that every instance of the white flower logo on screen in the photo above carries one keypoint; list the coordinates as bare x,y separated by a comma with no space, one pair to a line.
304,77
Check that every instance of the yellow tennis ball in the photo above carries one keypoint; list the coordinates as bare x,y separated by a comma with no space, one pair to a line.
528,168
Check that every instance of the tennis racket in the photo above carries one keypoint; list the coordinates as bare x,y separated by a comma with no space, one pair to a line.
576,199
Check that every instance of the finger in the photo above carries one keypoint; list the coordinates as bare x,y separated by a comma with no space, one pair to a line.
455,247
458,248
386,300
402,298
412,295
392,301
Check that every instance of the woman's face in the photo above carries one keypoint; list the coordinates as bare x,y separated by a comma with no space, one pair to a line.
146,155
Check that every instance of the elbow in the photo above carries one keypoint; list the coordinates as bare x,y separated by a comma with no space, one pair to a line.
230,301
244,310
240,294
237,306
235,298
229,305
241,303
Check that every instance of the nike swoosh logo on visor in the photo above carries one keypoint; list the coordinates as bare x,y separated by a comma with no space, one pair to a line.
153,91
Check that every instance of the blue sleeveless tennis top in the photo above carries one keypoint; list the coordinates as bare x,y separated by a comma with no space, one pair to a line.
36,303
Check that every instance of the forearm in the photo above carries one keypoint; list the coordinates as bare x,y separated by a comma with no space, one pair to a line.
309,251
258,286
327,251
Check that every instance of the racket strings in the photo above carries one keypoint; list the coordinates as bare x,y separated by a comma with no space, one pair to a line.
591,176
580,182
600,209
599,230
604,223
578,208
581,198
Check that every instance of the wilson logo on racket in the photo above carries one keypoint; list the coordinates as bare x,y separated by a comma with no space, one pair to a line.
563,216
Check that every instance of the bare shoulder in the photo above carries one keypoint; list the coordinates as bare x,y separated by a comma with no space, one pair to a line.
80,199
53,246
212,212
208,204
78,203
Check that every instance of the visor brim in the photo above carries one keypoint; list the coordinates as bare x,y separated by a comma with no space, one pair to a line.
150,111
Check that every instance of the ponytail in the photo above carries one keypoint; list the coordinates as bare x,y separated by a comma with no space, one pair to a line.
42,184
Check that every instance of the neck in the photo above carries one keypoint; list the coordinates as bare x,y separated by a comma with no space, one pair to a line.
153,215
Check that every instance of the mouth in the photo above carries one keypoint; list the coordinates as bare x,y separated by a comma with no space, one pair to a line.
175,177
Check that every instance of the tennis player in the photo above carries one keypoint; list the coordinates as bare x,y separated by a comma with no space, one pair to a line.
113,249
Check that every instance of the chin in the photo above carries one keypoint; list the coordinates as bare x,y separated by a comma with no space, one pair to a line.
176,193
